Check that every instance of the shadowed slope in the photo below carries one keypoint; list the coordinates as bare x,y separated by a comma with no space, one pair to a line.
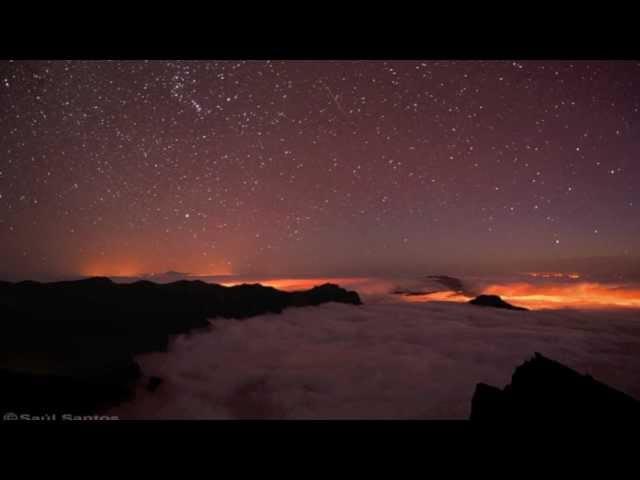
71,343
542,389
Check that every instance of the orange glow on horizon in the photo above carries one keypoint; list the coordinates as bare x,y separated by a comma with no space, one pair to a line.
291,284
585,295
222,271
572,276
578,295
111,270
131,268
573,294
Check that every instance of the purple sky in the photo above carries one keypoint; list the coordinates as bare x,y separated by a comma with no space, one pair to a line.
319,167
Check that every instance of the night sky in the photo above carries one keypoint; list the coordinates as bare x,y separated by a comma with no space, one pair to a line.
320,168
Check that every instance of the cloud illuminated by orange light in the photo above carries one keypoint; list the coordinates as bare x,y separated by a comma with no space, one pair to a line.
579,295
446,296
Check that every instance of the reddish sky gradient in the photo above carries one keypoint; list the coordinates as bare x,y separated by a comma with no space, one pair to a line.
322,168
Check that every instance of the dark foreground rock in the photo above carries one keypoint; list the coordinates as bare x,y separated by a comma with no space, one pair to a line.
71,394
153,384
494,301
71,344
544,390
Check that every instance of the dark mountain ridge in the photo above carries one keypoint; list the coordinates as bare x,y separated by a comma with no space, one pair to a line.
544,390
72,342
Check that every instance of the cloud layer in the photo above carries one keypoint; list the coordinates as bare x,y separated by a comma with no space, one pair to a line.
379,360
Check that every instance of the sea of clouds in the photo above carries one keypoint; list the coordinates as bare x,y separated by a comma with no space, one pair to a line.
386,359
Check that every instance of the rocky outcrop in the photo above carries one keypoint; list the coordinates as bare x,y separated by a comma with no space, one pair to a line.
493,301
327,292
153,384
543,390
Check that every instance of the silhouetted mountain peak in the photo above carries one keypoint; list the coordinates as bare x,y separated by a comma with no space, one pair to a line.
544,389
493,301
189,284
326,287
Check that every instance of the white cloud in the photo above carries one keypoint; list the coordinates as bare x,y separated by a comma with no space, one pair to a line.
380,360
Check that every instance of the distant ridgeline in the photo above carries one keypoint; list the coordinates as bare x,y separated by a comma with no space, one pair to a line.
69,346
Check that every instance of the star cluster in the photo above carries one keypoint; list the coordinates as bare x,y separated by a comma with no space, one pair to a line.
318,167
